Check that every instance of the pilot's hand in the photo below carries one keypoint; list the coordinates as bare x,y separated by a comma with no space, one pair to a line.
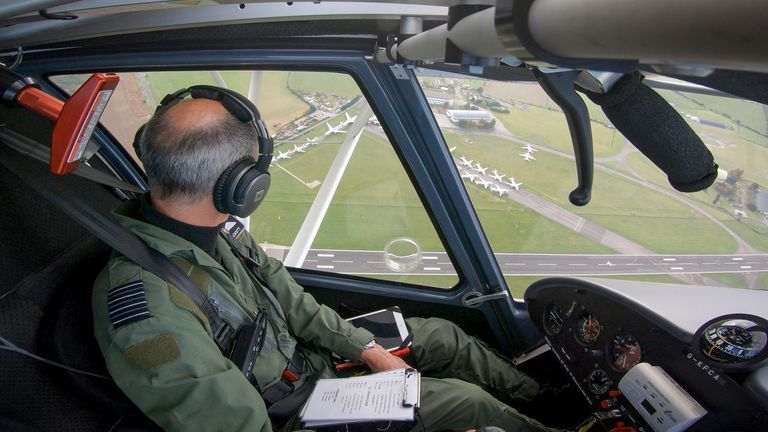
379,360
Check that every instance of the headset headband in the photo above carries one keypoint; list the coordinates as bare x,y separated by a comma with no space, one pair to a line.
237,105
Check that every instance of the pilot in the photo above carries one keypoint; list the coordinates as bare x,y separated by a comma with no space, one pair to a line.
158,345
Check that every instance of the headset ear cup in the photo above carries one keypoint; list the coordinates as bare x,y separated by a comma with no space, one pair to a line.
250,192
241,188
224,187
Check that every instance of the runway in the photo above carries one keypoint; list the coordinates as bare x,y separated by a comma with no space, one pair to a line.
438,263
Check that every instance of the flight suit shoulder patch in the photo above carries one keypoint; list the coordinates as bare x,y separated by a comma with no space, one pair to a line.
154,352
127,304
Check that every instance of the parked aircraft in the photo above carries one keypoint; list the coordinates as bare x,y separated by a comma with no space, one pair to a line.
281,155
513,184
496,176
468,176
374,120
500,190
313,141
465,162
528,157
529,149
299,148
483,183
349,120
332,130
481,169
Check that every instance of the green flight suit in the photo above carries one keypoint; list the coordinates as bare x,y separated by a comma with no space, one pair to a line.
158,346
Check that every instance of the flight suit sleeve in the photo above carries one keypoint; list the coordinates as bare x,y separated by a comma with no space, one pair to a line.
164,360
314,323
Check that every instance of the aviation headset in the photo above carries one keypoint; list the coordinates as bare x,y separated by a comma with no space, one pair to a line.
243,185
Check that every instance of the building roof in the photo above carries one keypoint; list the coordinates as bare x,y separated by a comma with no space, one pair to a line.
469,115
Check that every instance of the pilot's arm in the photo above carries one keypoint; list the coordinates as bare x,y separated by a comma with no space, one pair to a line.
162,356
314,323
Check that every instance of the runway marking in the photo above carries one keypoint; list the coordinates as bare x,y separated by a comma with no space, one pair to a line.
444,263
576,264
374,262
326,255
429,257
737,259
543,264
675,268
746,267
309,260
431,268
635,264
669,259
516,264
579,225
324,266
687,263
341,261
709,263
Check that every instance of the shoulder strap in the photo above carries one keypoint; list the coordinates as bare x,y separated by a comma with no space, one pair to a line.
249,258
121,239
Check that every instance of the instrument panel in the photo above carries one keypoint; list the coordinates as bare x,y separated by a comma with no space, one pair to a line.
599,331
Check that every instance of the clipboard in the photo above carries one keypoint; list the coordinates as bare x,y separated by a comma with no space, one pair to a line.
386,396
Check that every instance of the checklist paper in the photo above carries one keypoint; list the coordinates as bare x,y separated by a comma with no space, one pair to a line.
385,396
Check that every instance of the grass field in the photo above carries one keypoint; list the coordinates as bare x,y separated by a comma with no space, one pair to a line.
328,83
631,210
550,129
751,230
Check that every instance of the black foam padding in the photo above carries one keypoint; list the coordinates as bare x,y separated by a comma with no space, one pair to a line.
659,132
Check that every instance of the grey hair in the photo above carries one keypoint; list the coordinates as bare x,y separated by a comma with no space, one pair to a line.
183,165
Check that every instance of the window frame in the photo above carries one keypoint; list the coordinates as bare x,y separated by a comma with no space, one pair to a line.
398,101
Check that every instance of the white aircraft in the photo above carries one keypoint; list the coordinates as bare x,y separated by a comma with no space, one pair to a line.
313,141
468,176
374,120
527,156
529,149
483,183
496,176
465,162
332,130
452,149
348,121
513,184
479,168
281,155
499,190
299,148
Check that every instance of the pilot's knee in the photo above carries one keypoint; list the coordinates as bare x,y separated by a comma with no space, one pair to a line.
436,336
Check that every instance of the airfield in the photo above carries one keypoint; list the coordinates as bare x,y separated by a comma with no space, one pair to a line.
633,227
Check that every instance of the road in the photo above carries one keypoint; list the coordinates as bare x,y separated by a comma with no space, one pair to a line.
438,263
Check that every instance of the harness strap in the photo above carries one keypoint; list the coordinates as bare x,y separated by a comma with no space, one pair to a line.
120,239
249,258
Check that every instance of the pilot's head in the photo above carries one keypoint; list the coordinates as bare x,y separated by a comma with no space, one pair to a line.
186,147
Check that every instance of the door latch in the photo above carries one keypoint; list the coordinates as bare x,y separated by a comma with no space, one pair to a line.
474,298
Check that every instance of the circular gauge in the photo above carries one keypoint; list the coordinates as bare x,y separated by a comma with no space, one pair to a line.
553,320
587,329
735,341
624,352
599,382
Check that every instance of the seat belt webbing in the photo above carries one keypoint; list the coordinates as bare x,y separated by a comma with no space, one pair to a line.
119,238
